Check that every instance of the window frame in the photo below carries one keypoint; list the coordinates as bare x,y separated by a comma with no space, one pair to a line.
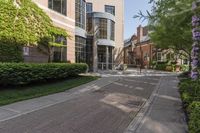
63,2
110,6
91,6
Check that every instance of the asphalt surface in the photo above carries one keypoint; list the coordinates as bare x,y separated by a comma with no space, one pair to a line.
107,110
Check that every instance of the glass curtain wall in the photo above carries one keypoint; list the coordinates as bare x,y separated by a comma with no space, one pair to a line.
60,53
112,34
89,52
102,28
80,13
80,49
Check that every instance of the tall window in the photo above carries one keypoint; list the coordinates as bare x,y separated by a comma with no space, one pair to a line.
159,56
110,9
80,13
59,6
60,53
80,50
89,52
112,34
102,30
89,7
89,25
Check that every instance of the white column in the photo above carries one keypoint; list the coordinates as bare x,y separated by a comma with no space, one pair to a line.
95,57
107,58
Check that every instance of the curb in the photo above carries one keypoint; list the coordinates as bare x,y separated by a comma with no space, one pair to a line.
139,119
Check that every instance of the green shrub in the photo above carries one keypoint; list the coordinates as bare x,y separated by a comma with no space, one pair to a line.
10,51
194,117
190,94
20,73
184,68
161,66
190,91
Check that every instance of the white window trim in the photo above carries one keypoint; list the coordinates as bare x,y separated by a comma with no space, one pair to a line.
161,55
26,50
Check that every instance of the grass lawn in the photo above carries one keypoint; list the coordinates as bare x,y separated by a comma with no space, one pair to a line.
11,95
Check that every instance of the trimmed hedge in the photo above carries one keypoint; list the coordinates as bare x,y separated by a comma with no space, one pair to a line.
190,94
194,123
10,51
21,73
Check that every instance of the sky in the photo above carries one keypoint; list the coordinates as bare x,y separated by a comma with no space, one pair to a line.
132,7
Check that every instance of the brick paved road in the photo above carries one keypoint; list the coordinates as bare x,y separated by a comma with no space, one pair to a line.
106,110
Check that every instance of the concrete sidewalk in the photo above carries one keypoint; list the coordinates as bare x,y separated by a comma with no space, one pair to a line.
24,107
163,112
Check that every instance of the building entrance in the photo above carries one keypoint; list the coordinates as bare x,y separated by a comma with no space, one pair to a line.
105,57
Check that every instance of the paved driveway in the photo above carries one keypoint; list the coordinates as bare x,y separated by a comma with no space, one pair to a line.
106,110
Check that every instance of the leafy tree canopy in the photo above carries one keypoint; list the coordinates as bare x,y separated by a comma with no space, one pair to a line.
25,23
170,23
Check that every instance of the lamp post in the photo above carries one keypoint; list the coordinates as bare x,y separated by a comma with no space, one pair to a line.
141,59
196,38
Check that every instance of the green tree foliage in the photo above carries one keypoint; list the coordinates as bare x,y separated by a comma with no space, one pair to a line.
170,23
24,23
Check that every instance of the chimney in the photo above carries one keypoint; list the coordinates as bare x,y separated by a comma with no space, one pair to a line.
139,33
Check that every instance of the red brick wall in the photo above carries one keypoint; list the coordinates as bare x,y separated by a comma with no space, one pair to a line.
141,55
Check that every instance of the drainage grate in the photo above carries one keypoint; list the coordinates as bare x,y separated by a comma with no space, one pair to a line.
133,103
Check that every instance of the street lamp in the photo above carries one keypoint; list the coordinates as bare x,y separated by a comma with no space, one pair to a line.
141,59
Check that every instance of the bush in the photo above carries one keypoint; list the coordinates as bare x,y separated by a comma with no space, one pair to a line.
190,94
21,73
184,68
161,67
194,117
190,91
10,51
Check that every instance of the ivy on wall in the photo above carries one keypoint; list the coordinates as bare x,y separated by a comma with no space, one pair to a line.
10,52
23,24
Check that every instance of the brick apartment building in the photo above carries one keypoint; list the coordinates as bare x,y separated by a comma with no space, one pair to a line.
139,50
95,27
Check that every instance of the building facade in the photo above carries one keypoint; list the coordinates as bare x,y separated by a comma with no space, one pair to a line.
95,27
139,50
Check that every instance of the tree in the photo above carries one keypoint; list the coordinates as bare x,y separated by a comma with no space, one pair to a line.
170,23
47,43
22,22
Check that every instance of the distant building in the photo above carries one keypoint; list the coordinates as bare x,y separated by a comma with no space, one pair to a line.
140,51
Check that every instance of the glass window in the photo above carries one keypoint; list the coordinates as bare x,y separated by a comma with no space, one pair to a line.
26,50
80,13
102,28
110,9
89,52
89,26
59,6
159,56
112,35
89,7
80,49
61,40
59,54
